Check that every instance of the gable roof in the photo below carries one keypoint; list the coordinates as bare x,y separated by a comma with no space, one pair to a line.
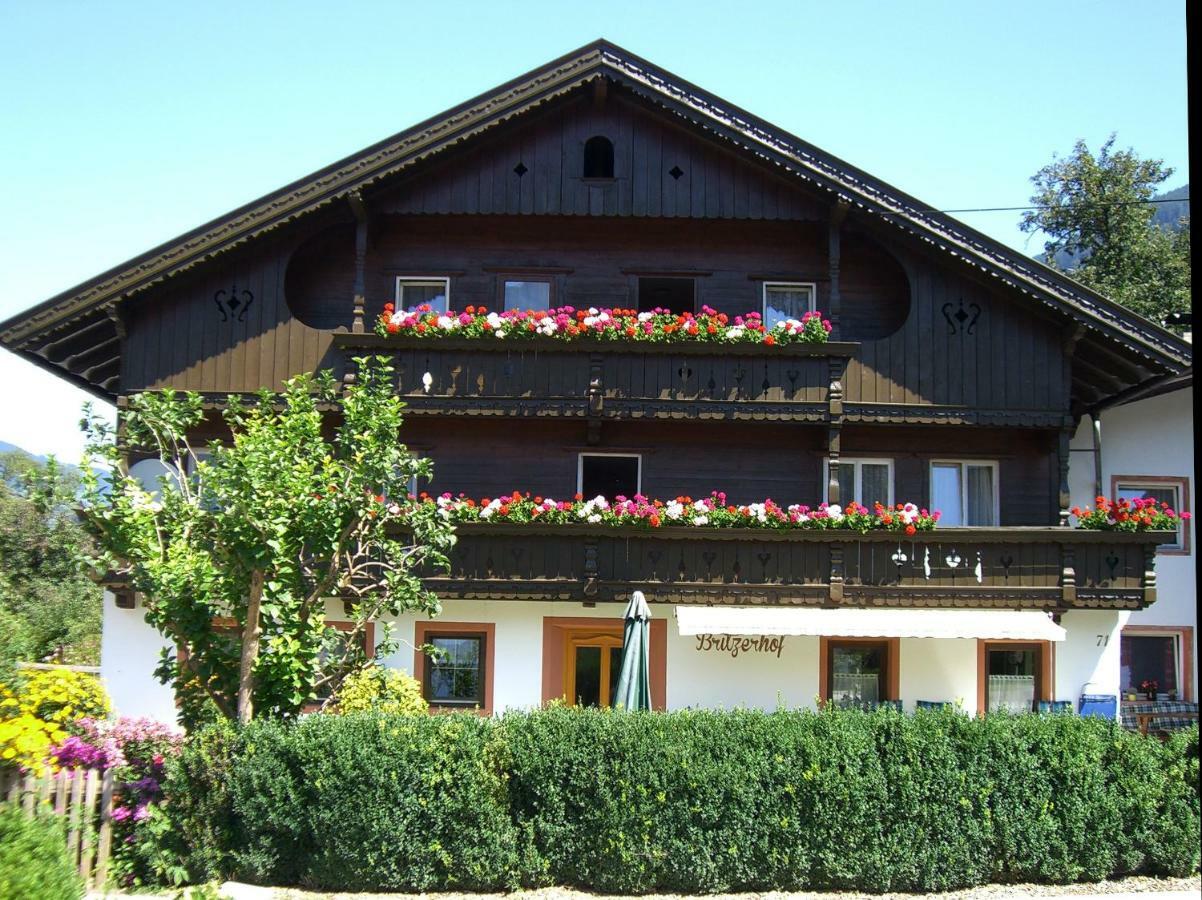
39,333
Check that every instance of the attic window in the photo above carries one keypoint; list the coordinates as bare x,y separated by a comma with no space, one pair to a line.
598,157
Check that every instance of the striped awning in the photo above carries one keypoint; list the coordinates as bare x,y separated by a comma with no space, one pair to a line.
886,623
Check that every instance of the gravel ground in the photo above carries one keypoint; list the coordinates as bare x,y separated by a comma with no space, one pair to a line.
1181,887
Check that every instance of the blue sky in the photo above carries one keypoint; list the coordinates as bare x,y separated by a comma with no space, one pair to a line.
125,124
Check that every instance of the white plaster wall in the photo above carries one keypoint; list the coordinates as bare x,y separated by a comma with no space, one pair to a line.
937,669
1089,654
129,653
1150,437
715,679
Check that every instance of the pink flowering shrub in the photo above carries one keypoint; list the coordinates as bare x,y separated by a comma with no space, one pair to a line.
137,751
566,323
712,511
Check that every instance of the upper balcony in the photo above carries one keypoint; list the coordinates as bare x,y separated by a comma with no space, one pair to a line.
1052,569
612,379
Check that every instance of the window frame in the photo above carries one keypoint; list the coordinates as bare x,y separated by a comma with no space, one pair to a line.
856,461
640,277
558,630
486,631
606,637
1045,669
1183,657
400,280
1160,482
890,677
765,285
506,277
580,470
962,462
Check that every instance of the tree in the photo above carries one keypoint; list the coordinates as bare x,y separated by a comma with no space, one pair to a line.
49,607
1095,211
236,555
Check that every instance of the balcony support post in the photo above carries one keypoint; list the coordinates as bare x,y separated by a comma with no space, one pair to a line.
360,288
835,589
1072,337
834,234
1068,575
596,398
1149,580
834,417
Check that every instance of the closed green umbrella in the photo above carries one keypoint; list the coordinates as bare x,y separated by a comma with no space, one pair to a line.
634,685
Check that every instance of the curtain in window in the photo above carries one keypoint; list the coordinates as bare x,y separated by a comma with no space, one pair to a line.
847,483
980,495
525,295
945,493
1015,693
414,295
785,302
855,687
874,478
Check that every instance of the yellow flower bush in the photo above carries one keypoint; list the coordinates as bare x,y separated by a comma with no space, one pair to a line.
25,741
377,689
62,696
35,712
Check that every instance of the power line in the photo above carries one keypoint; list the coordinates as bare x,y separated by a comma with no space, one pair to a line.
978,209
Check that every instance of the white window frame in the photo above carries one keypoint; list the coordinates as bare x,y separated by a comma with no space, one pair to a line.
856,462
580,470
997,488
519,277
401,280
1160,482
812,285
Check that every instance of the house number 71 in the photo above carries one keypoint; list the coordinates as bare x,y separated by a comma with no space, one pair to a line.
1103,640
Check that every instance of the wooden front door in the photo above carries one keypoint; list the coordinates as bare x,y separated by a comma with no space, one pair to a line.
592,661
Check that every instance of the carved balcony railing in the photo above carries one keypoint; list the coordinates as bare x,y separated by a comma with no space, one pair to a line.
1019,568
611,379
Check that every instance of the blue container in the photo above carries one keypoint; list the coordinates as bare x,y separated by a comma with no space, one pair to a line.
1103,706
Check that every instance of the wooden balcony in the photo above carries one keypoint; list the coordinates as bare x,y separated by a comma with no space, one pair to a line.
612,380
1049,569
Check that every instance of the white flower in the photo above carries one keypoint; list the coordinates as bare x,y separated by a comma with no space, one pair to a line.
447,323
835,511
594,518
701,520
492,320
674,510
499,333
645,316
700,506
735,332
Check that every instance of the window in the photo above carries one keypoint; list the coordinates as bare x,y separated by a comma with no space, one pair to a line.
458,673
858,672
1157,653
414,291
676,295
528,293
786,300
598,157
1014,675
594,661
335,647
965,493
609,475
866,481
455,671
1163,489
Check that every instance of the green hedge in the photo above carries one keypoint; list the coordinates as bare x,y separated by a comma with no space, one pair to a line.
689,802
33,857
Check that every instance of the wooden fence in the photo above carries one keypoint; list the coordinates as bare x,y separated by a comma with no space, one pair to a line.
83,797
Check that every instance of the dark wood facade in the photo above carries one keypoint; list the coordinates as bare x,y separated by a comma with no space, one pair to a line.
946,345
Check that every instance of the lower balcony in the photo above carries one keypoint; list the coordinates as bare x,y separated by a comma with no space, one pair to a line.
1014,568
